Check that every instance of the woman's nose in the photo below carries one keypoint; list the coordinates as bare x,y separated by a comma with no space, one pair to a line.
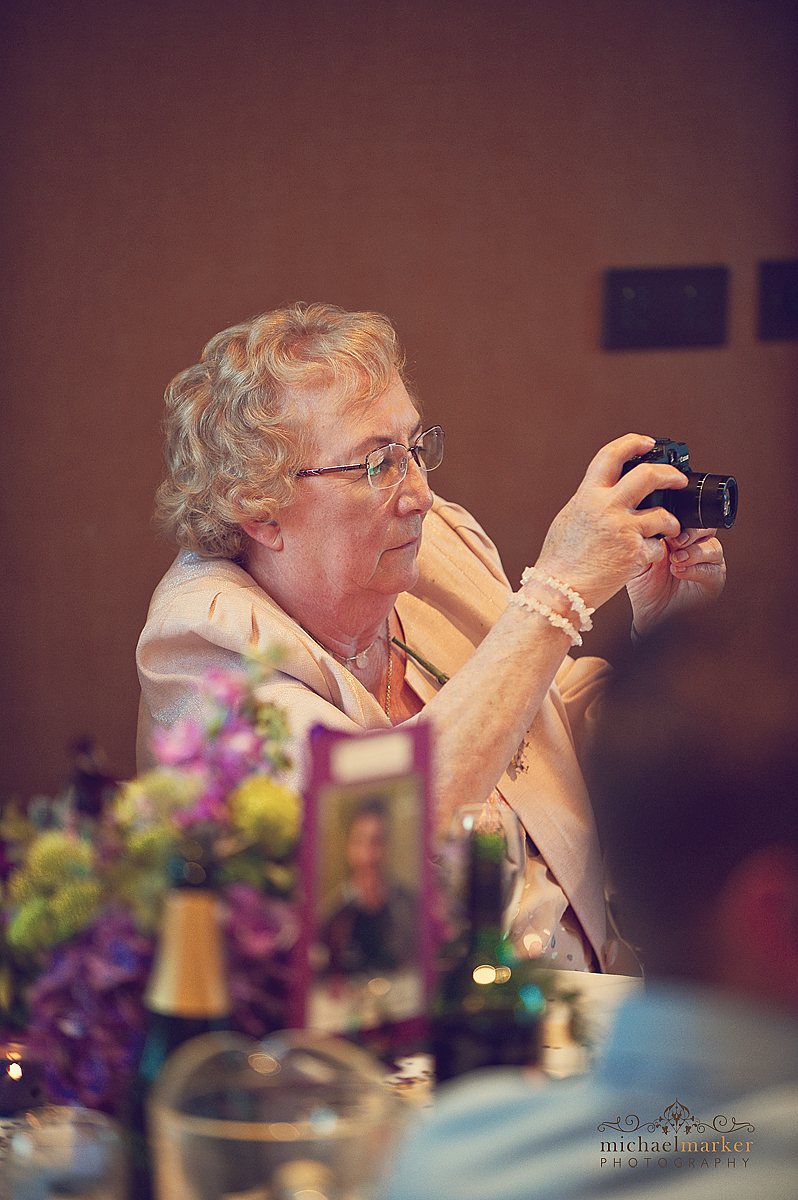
414,493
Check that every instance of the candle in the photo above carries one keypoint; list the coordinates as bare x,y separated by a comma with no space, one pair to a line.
21,1079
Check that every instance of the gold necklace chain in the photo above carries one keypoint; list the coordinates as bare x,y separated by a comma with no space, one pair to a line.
390,670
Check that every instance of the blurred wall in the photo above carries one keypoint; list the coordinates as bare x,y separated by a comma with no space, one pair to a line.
468,168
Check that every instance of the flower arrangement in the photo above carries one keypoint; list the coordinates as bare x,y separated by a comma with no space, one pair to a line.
81,903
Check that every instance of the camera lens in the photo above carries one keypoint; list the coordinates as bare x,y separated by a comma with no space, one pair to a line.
708,502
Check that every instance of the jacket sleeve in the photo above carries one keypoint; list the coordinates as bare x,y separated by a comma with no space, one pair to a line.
581,683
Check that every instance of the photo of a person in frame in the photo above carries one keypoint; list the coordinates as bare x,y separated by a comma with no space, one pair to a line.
368,970
372,926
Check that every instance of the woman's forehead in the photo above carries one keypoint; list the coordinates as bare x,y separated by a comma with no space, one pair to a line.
331,413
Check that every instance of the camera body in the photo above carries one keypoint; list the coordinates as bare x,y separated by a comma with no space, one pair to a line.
708,501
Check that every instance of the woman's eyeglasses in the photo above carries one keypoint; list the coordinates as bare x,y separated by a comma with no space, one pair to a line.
387,466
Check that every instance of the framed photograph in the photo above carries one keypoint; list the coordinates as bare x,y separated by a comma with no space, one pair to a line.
365,951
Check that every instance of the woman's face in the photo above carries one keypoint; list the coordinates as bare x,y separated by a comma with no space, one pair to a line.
341,538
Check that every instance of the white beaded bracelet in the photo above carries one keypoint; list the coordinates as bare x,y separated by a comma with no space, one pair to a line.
574,599
554,618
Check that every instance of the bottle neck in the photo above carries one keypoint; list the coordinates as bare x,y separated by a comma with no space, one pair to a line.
188,977
485,909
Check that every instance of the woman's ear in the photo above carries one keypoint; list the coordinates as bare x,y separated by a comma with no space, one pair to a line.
266,533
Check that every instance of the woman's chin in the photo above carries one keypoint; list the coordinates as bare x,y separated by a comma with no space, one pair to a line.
394,576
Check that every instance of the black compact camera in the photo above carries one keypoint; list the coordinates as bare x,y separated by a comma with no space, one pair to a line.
708,501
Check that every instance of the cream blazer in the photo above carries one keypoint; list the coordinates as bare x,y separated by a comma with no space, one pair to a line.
205,612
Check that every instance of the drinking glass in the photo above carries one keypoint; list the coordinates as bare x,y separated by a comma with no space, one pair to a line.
59,1151
297,1112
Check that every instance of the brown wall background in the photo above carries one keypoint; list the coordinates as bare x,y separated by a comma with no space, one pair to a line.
468,168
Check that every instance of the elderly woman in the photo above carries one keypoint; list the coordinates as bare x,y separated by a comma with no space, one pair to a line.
298,489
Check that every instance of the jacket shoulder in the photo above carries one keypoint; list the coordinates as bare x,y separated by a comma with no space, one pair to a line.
451,530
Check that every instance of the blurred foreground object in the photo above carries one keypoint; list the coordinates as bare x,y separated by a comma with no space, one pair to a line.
81,907
233,1116
64,1152
21,1079
187,995
487,1009
696,1090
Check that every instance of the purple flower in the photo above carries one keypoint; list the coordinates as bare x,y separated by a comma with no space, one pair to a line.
259,931
257,925
238,747
236,752
87,1017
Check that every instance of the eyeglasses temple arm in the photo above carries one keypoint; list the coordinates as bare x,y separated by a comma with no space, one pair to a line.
328,470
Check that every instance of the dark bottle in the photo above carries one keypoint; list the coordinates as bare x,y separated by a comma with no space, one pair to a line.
187,996
487,1009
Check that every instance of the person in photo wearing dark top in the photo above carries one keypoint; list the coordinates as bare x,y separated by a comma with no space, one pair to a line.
372,922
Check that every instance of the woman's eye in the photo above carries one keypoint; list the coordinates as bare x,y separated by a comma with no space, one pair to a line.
376,464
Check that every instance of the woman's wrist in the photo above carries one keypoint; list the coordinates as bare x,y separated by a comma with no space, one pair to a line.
522,599
557,602
582,613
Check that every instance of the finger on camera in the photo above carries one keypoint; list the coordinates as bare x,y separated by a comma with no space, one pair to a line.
702,554
605,466
658,523
689,537
646,478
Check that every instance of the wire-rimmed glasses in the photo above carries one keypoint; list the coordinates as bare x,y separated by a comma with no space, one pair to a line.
386,466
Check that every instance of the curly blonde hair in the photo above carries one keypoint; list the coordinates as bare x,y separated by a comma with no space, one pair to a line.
233,442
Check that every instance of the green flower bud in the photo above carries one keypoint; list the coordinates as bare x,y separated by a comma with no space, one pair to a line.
75,905
266,813
34,927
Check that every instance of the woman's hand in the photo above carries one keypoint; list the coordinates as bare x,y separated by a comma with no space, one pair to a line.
691,572
600,540
599,543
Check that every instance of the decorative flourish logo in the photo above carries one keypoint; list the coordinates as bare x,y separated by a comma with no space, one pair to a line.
676,1118
677,1132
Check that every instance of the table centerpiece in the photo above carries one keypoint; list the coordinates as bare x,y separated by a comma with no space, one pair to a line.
81,900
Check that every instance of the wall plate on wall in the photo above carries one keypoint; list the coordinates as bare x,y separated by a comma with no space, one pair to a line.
778,300
664,307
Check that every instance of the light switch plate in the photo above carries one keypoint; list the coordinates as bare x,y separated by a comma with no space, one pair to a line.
778,300
664,307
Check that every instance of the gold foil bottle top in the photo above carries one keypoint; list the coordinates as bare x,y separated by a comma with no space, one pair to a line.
188,975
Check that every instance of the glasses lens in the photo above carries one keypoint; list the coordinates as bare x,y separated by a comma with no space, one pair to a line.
386,466
430,448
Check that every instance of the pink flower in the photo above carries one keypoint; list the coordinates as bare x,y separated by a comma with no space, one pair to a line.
211,807
178,743
237,752
227,689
